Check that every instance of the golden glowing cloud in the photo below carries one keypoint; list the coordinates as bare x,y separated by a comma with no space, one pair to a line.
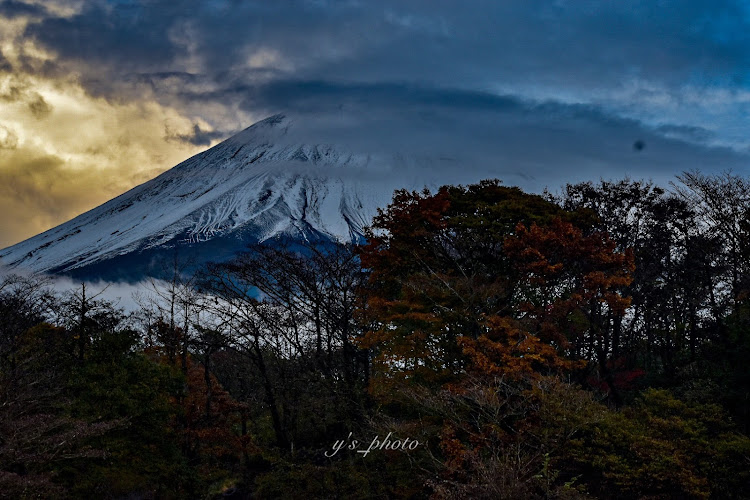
63,151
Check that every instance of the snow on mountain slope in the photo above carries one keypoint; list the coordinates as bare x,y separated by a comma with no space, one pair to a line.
254,186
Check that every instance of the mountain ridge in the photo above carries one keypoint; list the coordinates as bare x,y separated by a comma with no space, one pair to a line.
251,187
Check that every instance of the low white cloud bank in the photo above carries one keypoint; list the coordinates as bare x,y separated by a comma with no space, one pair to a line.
130,297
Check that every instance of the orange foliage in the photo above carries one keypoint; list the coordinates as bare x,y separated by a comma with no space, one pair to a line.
456,289
209,420
210,414
506,350
564,275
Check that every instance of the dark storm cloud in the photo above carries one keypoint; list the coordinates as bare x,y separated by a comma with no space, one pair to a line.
39,107
320,96
11,9
5,65
535,145
546,88
18,90
539,143
199,137
160,80
188,53
127,36
472,44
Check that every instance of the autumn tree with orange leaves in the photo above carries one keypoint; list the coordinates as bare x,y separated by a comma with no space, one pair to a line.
487,279
478,297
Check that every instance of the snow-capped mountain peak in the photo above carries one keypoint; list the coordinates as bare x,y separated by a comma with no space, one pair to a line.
254,186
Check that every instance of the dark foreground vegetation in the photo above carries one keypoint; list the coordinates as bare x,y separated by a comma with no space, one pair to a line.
497,344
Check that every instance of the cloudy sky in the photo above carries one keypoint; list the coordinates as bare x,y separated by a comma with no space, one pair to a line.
98,96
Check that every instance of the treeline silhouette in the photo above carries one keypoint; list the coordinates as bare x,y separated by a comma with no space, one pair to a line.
484,343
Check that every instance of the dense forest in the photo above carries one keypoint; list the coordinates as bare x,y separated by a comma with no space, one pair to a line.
483,343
